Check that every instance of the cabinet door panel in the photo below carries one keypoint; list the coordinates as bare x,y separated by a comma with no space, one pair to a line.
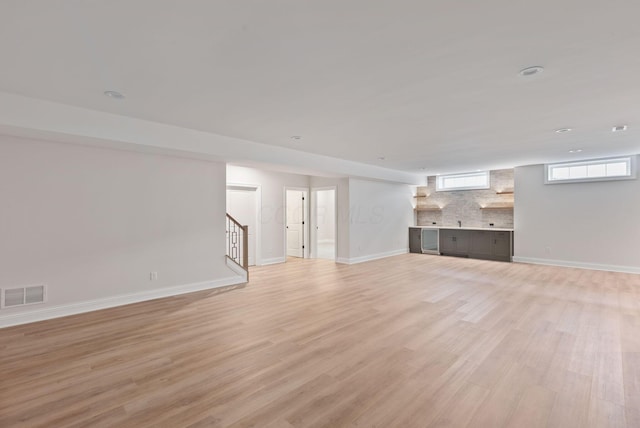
481,243
447,243
463,241
502,245
414,240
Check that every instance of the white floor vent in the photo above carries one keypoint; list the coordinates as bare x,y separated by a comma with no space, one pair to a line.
22,296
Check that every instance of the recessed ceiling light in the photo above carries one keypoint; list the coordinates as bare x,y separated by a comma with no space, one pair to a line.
114,94
563,130
619,128
531,71
575,151
296,137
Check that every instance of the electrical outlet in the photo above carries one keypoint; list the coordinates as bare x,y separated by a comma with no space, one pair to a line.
547,250
153,276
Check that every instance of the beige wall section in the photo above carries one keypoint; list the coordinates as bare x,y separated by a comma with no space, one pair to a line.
465,205
591,224
93,223
372,221
380,214
272,213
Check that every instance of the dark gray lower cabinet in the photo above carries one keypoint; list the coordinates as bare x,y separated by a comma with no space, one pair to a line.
447,243
477,244
481,244
415,240
455,242
502,245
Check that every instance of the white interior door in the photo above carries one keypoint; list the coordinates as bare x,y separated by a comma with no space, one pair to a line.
324,224
241,205
295,223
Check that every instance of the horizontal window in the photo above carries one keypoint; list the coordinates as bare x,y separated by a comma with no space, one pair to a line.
621,168
469,181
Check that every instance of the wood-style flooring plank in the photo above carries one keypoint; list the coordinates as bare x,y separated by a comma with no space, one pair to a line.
407,341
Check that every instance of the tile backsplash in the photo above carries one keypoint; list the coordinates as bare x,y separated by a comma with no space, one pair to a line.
465,205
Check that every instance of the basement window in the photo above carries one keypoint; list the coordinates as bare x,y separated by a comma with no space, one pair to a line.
467,181
621,168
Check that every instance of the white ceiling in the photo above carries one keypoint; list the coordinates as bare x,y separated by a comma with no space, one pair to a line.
426,84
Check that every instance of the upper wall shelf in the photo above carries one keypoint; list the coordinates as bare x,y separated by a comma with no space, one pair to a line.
420,196
503,206
430,208
505,192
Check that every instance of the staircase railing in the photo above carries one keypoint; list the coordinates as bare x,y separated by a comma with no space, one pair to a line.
238,243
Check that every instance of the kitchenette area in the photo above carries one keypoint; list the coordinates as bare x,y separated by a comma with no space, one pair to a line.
477,243
474,222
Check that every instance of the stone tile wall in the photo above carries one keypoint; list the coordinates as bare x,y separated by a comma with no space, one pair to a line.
464,205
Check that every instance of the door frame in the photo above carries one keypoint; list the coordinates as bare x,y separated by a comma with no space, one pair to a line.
257,188
305,219
314,219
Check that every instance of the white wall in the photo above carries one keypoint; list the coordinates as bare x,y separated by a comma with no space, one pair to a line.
594,225
326,205
373,216
93,223
380,214
272,206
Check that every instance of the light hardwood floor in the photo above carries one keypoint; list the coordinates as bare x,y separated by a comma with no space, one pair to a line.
408,341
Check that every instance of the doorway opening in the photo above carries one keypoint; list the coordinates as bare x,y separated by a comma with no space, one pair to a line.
243,202
323,228
296,221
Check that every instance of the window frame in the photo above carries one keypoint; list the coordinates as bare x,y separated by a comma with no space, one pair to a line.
440,180
630,160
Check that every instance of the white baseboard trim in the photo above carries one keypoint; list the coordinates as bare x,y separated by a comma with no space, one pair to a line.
273,261
237,269
580,265
110,302
342,260
370,257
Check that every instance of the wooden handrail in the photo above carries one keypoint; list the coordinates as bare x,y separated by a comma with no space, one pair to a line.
230,217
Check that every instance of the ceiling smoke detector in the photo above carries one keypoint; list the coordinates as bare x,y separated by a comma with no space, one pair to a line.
575,151
114,94
563,130
296,137
619,128
531,71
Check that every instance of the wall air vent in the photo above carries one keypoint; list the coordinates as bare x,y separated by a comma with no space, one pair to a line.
11,297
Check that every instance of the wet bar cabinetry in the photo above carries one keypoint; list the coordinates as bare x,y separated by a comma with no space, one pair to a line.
477,243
